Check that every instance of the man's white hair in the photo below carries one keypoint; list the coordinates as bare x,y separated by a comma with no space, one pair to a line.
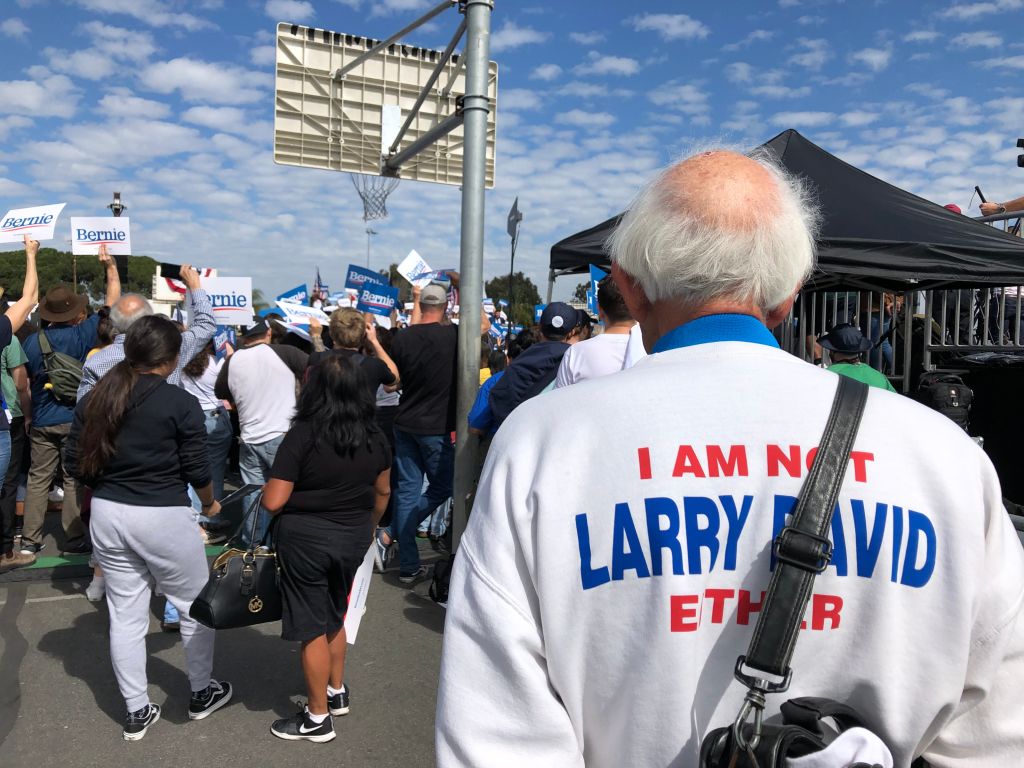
123,313
675,254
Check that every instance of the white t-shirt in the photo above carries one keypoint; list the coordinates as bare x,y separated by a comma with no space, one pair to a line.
263,389
593,358
598,606
202,387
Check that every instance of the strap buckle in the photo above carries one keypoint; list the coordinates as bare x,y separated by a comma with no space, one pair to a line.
806,551
759,683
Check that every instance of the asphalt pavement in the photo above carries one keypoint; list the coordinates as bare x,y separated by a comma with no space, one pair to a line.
59,702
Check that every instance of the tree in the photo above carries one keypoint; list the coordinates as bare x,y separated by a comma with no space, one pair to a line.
259,301
523,299
395,280
57,267
580,292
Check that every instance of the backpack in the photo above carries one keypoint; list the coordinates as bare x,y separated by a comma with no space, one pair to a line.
64,372
442,577
947,394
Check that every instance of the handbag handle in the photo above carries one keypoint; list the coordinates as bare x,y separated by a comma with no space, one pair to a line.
802,550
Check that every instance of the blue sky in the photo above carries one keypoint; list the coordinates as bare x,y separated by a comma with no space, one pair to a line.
171,102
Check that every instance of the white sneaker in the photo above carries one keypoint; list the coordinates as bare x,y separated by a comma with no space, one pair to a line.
96,590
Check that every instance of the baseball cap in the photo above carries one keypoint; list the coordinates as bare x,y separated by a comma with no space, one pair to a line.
433,296
558,319
259,328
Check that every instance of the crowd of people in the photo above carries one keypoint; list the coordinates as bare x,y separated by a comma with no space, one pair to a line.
633,475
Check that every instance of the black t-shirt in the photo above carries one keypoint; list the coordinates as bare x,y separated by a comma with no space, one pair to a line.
339,488
375,370
425,356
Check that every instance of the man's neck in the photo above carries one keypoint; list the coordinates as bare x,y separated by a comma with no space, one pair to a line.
619,329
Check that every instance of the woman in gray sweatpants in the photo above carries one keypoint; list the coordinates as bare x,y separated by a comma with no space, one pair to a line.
138,441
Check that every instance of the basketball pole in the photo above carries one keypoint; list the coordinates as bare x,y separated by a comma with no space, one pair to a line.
476,108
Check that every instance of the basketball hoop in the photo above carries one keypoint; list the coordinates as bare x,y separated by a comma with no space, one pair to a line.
374,191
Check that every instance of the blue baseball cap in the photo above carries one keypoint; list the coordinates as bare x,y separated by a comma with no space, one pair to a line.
558,319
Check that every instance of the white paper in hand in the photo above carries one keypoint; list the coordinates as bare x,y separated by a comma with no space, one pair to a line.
412,267
87,234
357,597
38,223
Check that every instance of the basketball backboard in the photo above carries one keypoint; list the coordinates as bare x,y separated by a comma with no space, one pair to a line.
348,123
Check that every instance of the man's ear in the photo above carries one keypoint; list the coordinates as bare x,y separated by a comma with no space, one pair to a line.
632,294
775,317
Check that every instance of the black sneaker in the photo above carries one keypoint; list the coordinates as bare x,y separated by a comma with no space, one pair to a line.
205,703
419,574
338,703
136,723
81,546
28,548
300,728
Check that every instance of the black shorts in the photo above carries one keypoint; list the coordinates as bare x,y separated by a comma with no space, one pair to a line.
318,559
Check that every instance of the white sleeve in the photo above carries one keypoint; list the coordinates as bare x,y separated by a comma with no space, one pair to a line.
496,706
564,377
984,730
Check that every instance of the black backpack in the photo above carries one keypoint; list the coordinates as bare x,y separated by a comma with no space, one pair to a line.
63,371
947,394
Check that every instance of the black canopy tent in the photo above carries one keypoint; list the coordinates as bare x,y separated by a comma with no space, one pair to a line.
874,235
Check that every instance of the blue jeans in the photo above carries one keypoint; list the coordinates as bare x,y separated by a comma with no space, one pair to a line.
5,454
255,462
883,353
416,456
218,445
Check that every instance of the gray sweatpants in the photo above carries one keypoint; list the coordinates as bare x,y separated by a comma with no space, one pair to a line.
137,548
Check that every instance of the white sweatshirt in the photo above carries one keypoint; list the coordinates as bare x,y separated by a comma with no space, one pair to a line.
620,544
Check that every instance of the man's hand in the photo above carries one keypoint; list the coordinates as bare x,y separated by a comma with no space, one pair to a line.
316,328
31,247
190,277
104,256
371,328
990,209
416,291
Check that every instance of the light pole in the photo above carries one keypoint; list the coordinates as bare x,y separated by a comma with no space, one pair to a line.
370,231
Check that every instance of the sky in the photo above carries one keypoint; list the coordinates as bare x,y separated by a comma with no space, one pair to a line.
171,103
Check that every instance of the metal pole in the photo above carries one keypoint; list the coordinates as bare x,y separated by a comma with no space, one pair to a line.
551,284
474,168
511,271
446,126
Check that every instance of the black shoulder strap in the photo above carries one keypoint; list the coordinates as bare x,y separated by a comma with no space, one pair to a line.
803,548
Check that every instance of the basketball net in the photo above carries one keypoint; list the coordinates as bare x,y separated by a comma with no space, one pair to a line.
374,191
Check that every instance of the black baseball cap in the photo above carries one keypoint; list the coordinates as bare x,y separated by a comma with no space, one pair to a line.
558,319
259,328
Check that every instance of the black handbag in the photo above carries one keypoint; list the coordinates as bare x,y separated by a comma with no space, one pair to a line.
802,551
243,589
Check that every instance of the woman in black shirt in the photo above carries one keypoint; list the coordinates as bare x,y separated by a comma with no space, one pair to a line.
138,441
328,488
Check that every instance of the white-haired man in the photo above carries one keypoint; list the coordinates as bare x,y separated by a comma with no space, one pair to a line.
615,559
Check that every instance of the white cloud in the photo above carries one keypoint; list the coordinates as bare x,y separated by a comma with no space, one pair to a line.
921,36
511,35
671,26
263,55
46,95
289,10
969,11
546,72
758,35
780,91
857,118
585,119
120,43
927,89
518,99
12,123
228,119
121,102
583,90
739,72
89,63
1005,62
205,81
802,119
875,59
156,13
682,97
586,38
814,53
977,40
388,7
608,65
13,27
810,21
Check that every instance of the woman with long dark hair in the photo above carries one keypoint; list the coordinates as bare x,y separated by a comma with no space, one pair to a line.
328,488
137,442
